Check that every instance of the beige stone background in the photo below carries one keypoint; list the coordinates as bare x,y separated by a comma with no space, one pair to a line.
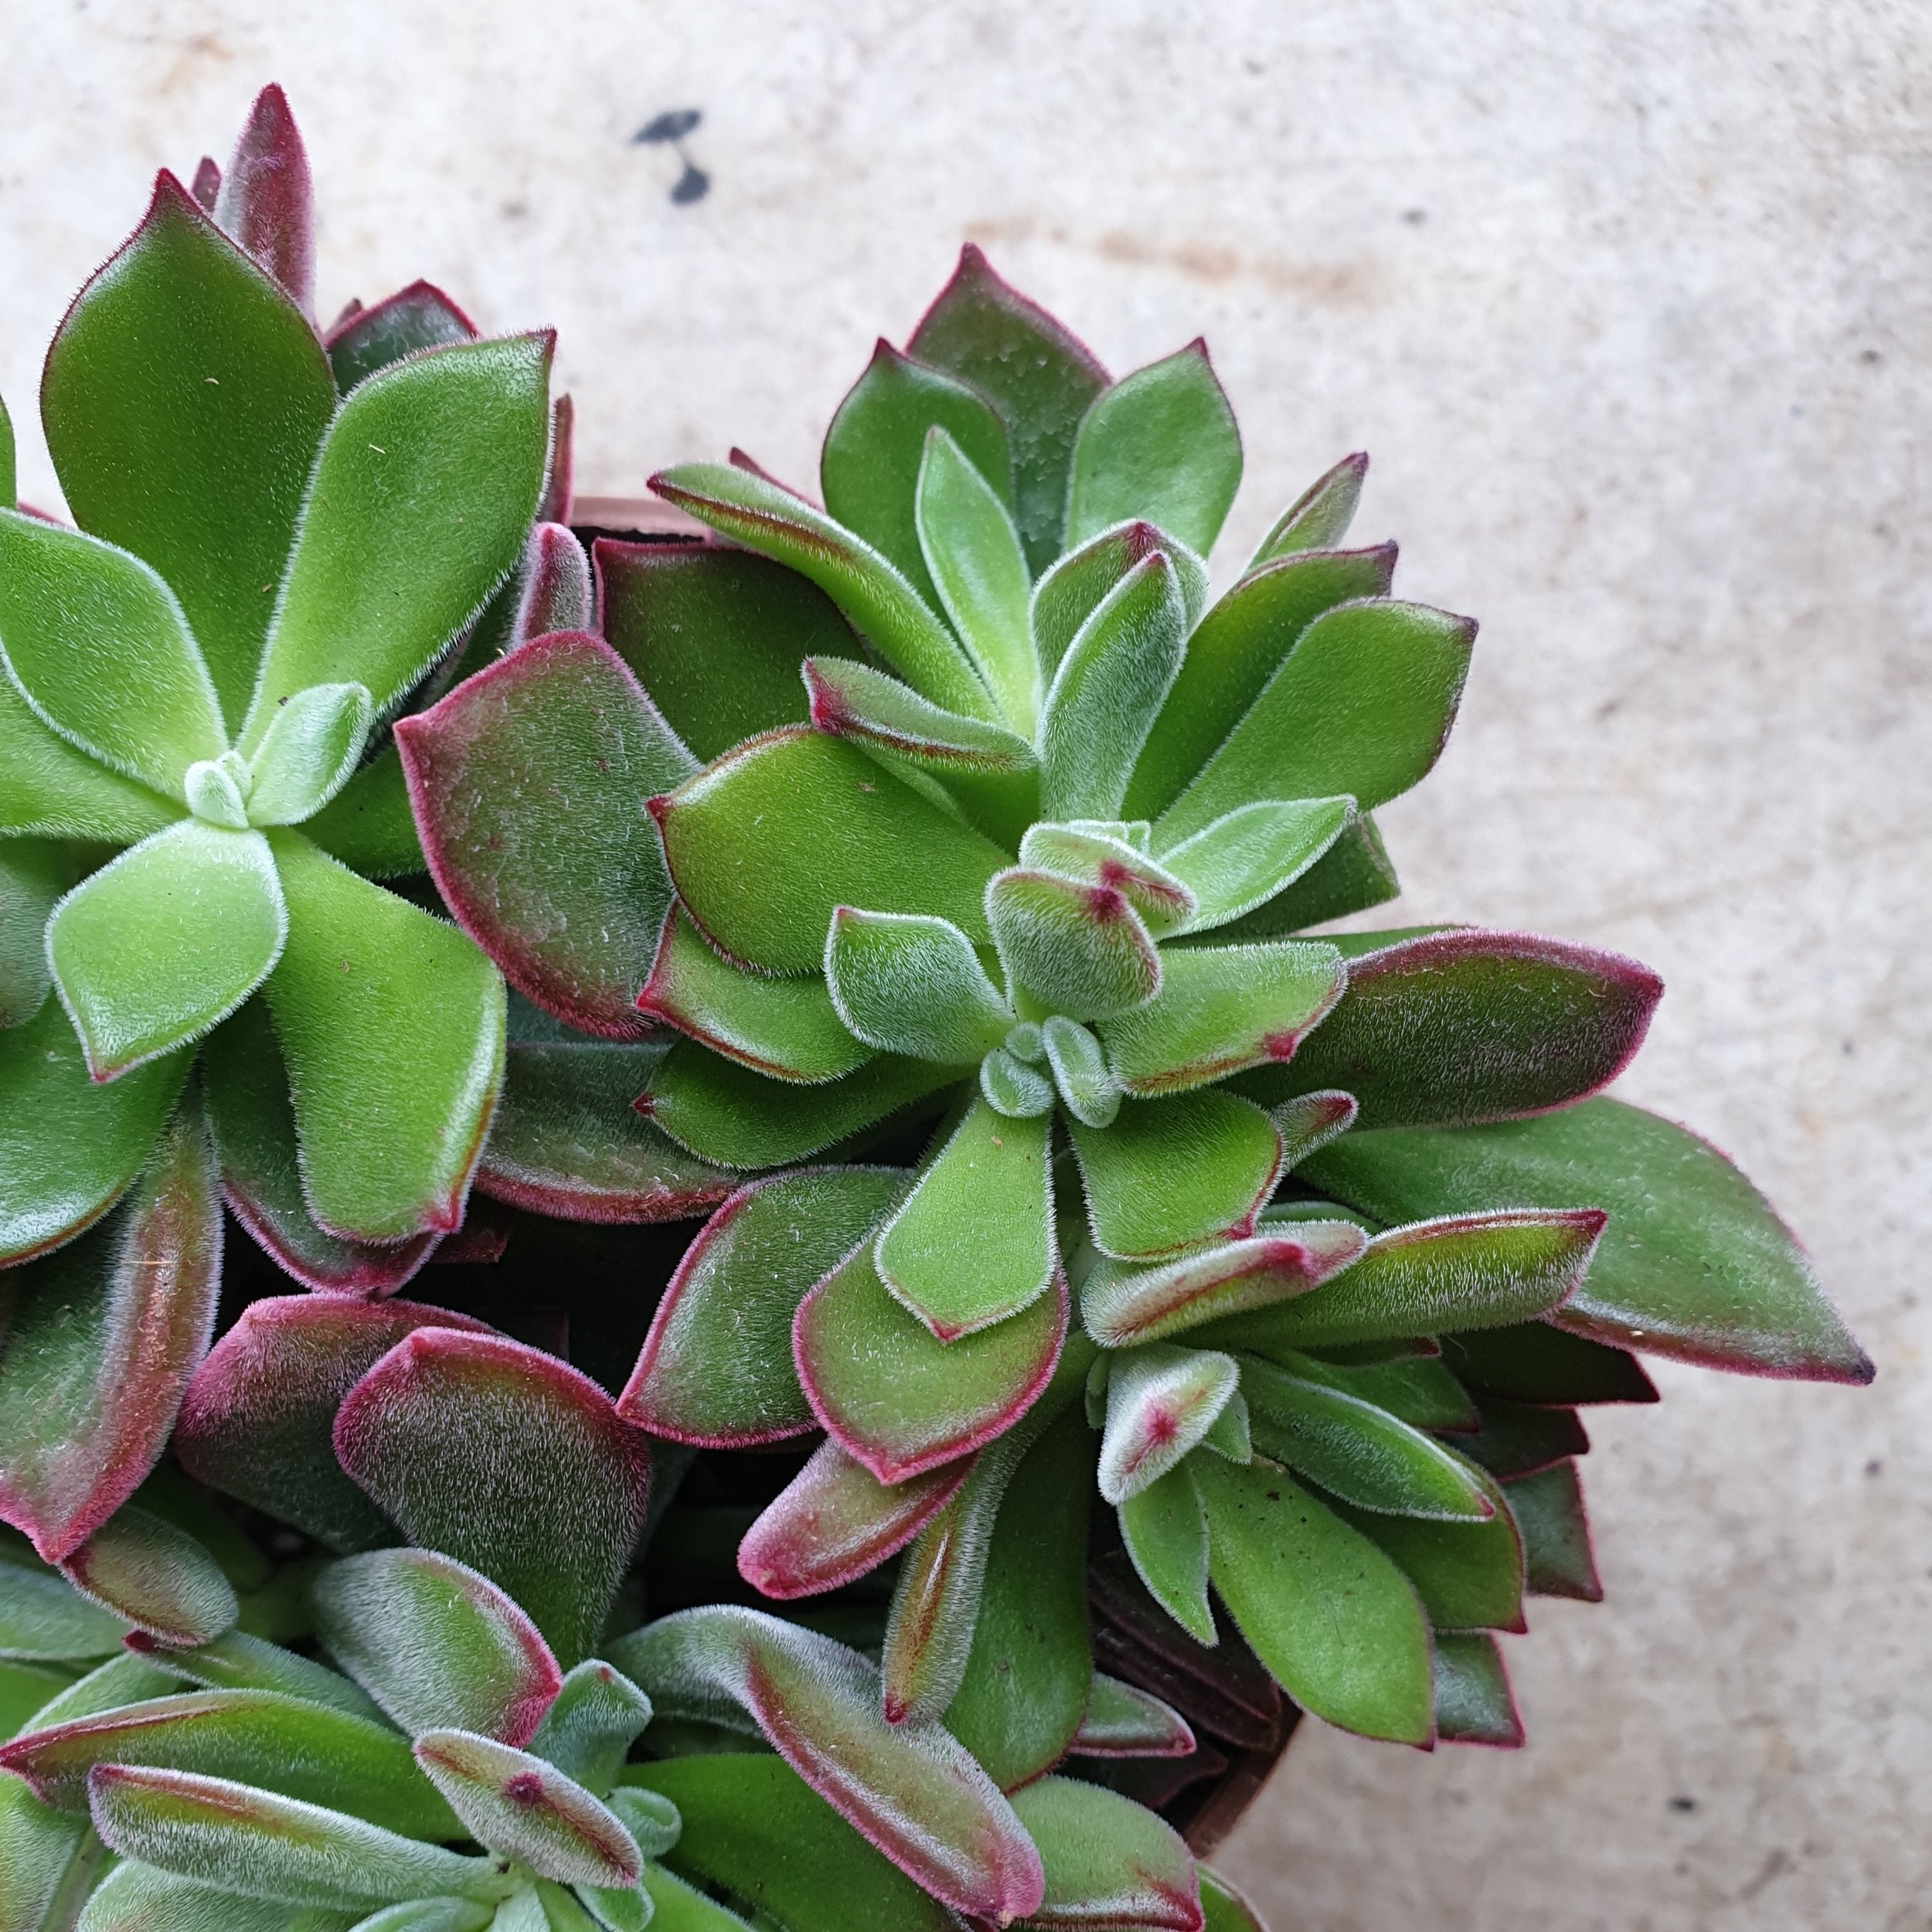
1629,300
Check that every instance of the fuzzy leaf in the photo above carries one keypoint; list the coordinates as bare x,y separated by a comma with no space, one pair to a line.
424,1432
911,1789
900,1401
1107,691
417,318
869,468
212,1829
908,983
1535,1361
44,1618
1362,706
716,1366
1335,1621
1010,1087
186,394
1549,1510
987,1191
716,636
1319,517
567,1141
259,1738
1122,1306
266,201
1223,1908
163,943
49,789
373,997
1698,1265
1169,1174
1473,1704
1123,1720
1088,1091
1164,1526
1084,851
1232,653
764,844
156,1576
1108,1861
1081,951
437,1645
519,1804
1069,594
1160,444
1354,873
138,1898
7,491
96,641
421,496
885,609
787,1029
1517,1440
69,1148
1161,1402
555,592
527,783
235,1661
256,1420
97,1343
1452,1029
311,749
1242,860
591,1726
367,825
835,1521
1417,1390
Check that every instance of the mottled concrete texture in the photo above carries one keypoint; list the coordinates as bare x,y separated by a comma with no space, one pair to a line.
1630,302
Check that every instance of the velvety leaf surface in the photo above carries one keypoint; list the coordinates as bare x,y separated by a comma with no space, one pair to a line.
137,1898
766,842
373,999
1165,1529
1236,648
900,1400
522,1806
1223,1909
99,1340
987,1193
1474,1703
44,1618
421,496
1468,1271
787,1029
69,1148
1075,586
256,1420
46,1852
910,1788
885,610
1354,873
1161,1402
235,1661
212,1829
311,750
591,1726
870,467
906,983
1038,377
835,1521
367,825
716,1366
716,636
1452,1028
1318,518
1558,1559
567,1141
1419,1391
1122,1720
1094,852
1698,1264
266,201
753,1826
1170,1173
159,1578
1028,1674
164,943
1108,1861
6,458
418,317
49,789
96,641
1334,1620
1082,950
437,1645
1088,1091
1362,706
554,593
1245,859
185,393
1536,1361
424,1433
527,782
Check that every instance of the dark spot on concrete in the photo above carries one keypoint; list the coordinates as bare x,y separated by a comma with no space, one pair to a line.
669,130
1683,1804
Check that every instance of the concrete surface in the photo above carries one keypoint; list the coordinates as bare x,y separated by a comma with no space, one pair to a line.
1630,302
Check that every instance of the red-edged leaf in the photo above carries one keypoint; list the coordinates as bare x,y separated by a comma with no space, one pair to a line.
1224,1908
1082,951
418,317
527,783
509,1461
1536,1362
835,1521
1548,1509
1517,1440
1108,1861
1161,1402
1122,1720
911,1789
100,1339
266,200
559,484
554,593
256,1420
156,1575
1320,516
1474,1702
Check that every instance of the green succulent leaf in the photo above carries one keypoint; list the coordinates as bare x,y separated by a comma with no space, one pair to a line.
910,984
1098,854
1122,1720
1334,1620
885,610
1108,1861
1514,1439
1081,951
393,1025
988,1191
186,395
1474,1703
7,489
95,641
438,1646
1548,1509
98,1340
44,1619
1233,653
156,1576
1354,873
1171,1174
1536,1362
1011,1087
417,318
589,1729
1161,1401
1076,585
34,872
313,745
1417,1389
716,1366
1087,1089
1318,518
1244,860
765,843
1160,444
236,1661
367,825
1697,1266
160,945
1362,706
49,790
1165,1529
138,1898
